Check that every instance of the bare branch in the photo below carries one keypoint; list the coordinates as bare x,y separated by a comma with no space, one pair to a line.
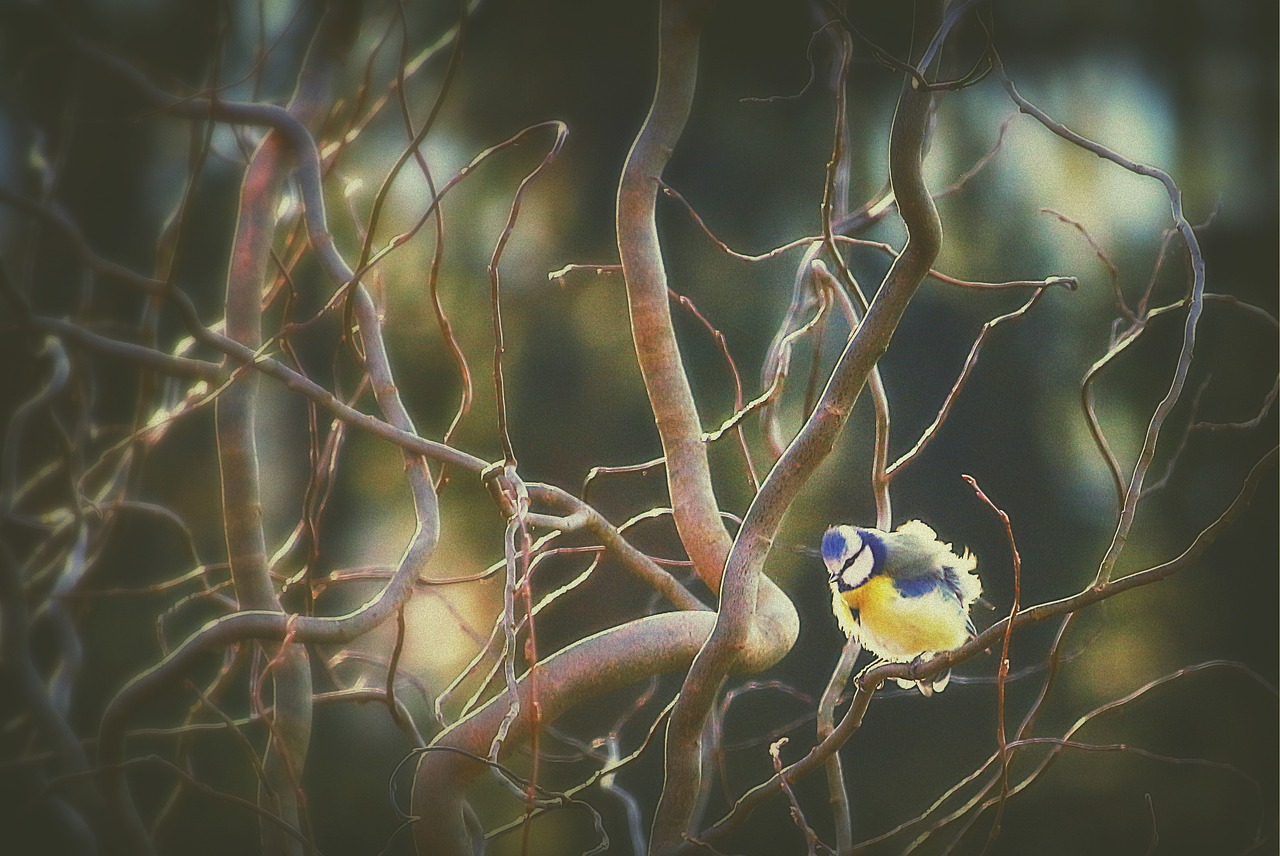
870,680
1133,490
743,572
688,474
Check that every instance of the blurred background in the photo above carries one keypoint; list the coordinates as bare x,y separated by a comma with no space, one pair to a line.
1190,87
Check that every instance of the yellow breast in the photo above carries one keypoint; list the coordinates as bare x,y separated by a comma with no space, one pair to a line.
902,628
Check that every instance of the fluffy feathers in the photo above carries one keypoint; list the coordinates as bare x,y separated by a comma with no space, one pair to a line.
903,594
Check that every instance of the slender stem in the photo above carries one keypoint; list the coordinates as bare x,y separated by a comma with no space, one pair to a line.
881,472
1002,671
839,795
966,371
1133,491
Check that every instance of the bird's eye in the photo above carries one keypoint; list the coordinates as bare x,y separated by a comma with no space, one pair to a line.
839,545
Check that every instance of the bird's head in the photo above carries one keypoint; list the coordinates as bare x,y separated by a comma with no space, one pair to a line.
851,554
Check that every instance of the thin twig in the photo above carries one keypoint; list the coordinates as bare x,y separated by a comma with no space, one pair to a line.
871,679
1003,670
1113,272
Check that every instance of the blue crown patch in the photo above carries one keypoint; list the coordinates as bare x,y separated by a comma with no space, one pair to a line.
833,544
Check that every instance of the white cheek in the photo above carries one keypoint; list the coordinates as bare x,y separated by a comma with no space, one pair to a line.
852,543
859,569
852,539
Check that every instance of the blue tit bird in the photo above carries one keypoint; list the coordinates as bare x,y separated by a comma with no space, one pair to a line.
904,595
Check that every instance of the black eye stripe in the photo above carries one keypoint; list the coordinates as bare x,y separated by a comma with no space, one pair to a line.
849,561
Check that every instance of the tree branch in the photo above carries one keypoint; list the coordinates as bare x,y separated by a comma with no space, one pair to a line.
743,572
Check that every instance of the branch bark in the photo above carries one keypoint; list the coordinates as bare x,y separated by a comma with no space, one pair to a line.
697,514
743,573
235,418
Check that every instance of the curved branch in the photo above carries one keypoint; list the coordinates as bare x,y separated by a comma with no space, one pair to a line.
743,572
697,515
25,683
235,413
235,421
583,516
839,794
259,624
966,371
608,660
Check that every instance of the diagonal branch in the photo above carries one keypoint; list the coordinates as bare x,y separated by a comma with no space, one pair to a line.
871,679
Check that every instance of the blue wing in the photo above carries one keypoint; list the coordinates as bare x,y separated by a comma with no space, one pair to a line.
922,585
915,586
949,582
